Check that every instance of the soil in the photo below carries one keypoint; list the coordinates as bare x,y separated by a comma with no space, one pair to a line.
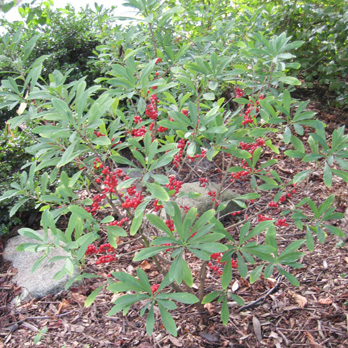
276,313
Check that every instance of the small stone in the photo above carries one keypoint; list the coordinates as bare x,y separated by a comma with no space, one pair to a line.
204,202
40,283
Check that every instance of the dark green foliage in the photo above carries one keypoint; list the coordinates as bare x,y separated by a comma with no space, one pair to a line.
323,26
12,158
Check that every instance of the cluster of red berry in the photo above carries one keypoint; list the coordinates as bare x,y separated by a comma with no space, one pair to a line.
98,134
140,132
137,119
154,288
212,194
160,129
177,158
282,222
104,248
273,204
174,184
250,147
170,224
201,155
119,223
239,93
133,202
157,206
151,109
263,218
247,113
105,259
217,257
283,198
203,182
236,213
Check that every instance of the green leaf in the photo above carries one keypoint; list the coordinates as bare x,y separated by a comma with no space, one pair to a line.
107,219
126,301
157,191
226,275
168,321
29,233
116,231
37,263
340,173
327,175
144,280
148,252
225,313
159,223
209,96
242,267
301,176
256,273
136,223
289,277
69,266
237,299
287,135
211,297
90,299
290,80
80,212
176,270
15,208
150,321
187,275
182,297
309,240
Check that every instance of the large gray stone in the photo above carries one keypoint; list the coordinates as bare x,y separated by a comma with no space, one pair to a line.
204,201
41,282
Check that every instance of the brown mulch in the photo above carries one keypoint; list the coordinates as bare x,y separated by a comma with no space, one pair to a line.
314,315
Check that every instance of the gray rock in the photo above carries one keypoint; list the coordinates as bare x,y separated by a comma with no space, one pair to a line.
204,201
40,283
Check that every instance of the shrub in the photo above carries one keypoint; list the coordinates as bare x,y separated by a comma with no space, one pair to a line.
160,116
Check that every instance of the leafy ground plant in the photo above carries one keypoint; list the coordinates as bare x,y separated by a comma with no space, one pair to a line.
143,132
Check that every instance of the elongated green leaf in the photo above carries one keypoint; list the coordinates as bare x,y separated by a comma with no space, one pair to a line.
292,279
225,313
168,321
159,223
211,297
29,233
256,273
148,252
226,275
327,175
136,223
157,191
150,321
90,299
242,267
182,297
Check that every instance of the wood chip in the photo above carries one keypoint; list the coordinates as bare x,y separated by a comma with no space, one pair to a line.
312,341
175,341
300,300
145,266
325,301
257,328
